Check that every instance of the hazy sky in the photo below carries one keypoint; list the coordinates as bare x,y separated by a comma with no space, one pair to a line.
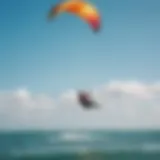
52,57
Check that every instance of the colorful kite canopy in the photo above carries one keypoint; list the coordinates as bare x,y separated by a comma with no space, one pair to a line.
83,9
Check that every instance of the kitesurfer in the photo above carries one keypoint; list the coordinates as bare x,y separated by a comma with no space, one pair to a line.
85,100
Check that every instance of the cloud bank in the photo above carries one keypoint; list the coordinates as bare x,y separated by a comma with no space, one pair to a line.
124,104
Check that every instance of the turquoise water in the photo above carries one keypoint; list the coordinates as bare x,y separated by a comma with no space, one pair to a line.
80,145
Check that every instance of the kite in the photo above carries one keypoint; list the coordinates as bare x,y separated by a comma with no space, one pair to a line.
80,8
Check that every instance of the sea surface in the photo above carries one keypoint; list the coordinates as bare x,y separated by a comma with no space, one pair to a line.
80,145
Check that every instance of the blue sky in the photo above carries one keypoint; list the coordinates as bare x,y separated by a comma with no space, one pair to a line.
52,58
65,53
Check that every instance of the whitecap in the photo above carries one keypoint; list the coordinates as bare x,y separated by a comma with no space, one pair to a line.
73,136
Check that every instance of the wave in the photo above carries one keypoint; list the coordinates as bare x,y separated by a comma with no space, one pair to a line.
84,149
86,156
152,147
74,136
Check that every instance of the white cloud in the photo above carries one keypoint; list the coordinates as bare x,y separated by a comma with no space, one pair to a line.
125,104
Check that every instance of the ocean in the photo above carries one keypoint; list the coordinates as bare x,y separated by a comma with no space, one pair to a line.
80,145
